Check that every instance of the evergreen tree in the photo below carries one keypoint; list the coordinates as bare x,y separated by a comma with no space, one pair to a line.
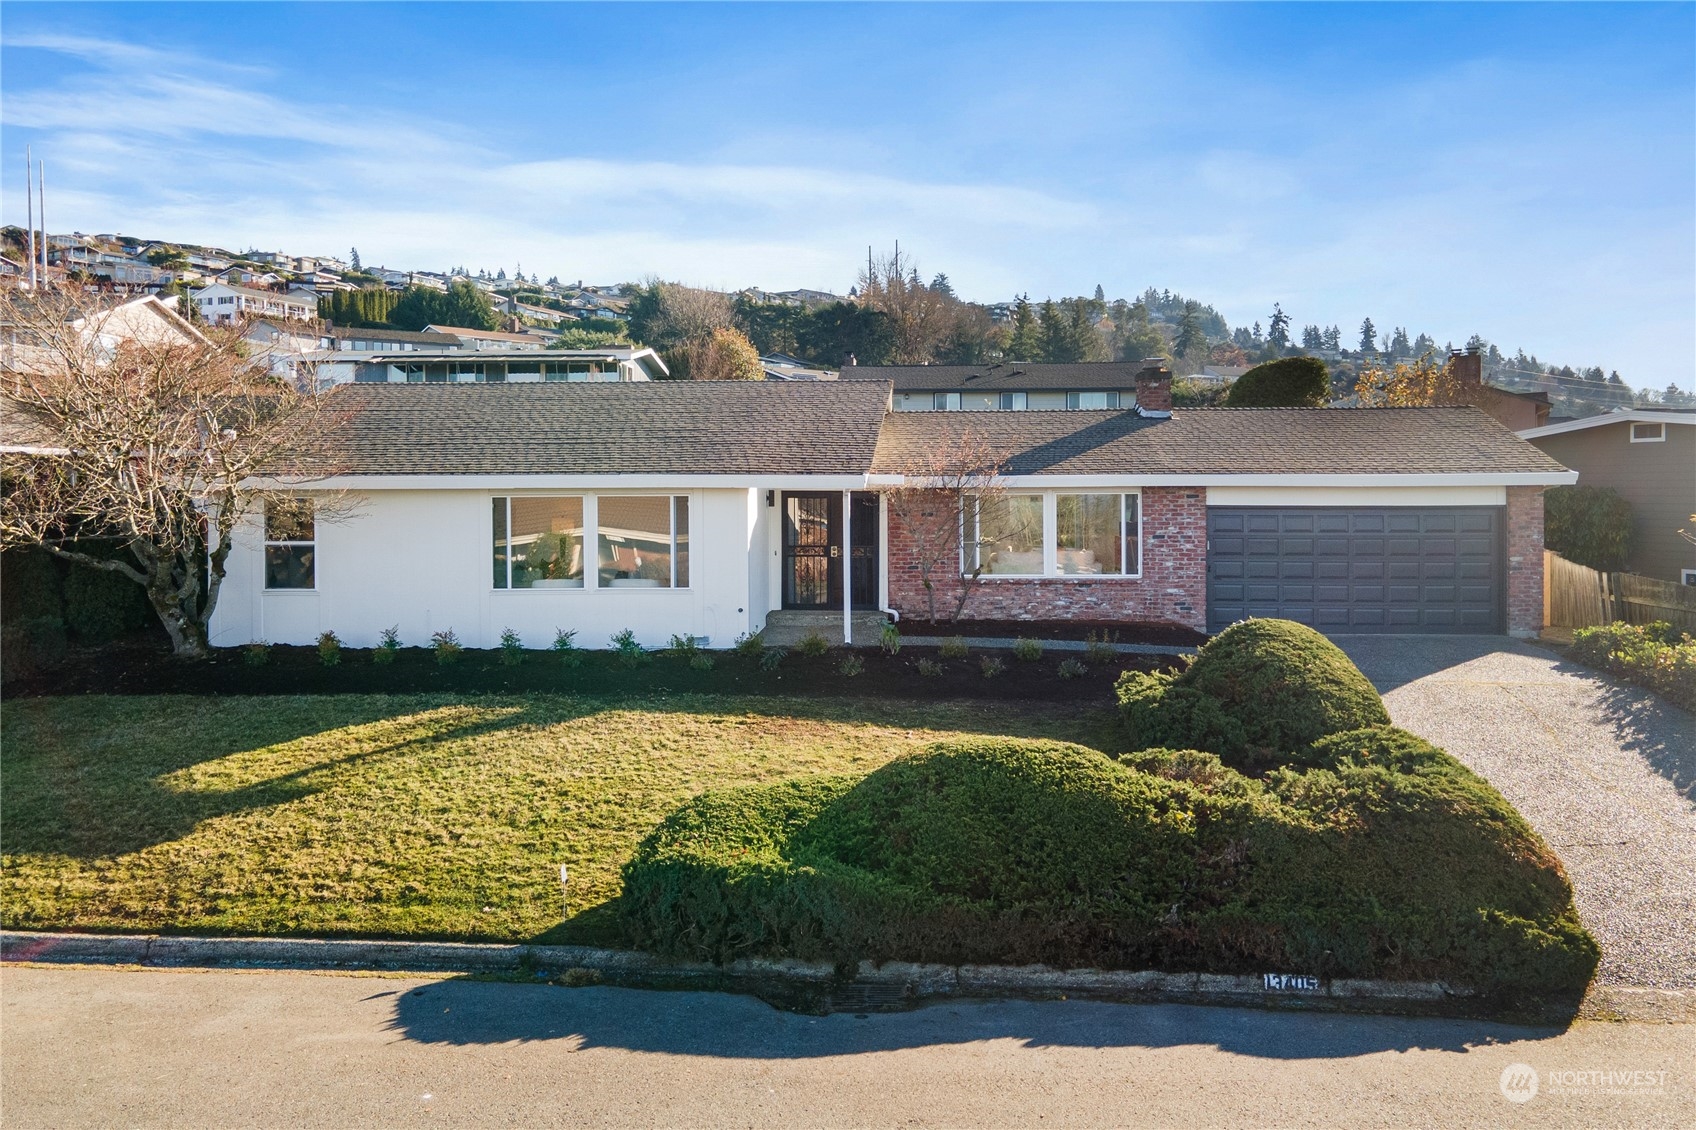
941,285
1190,338
1254,335
1312,337
1399,344
1368,336
1025,344
1140,339
1052,330
1424,344
1333,339
353,258
1278,333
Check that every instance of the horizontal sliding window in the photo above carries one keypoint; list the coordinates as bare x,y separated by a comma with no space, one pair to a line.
644,541
539,542
1092,400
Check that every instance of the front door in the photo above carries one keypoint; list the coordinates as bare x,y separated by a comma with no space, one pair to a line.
813,550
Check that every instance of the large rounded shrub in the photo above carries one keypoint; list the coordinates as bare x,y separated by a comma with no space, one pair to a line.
1258,690
1291,382
1394,861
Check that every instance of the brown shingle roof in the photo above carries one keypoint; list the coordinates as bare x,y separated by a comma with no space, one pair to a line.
658,427
1016,375
1224,441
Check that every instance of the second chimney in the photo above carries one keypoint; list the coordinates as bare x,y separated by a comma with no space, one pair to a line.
1154,392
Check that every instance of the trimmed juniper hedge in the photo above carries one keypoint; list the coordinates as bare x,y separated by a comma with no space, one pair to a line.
1358,850
1258,690
1394,861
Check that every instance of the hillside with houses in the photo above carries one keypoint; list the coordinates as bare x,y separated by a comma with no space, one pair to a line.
305,307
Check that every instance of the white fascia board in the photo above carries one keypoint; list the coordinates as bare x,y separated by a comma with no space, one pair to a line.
1481,479
568,482
1628,416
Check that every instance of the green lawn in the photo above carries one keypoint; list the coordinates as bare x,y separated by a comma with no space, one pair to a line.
399,816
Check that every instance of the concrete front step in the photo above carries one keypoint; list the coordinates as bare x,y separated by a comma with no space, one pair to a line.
788,627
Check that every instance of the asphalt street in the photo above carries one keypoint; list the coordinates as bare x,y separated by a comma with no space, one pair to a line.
186,1048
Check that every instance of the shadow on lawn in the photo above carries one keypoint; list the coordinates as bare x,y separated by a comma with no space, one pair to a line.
87,801
91,790
468,1012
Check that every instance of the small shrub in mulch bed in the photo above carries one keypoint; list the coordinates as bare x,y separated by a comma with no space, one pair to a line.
148,668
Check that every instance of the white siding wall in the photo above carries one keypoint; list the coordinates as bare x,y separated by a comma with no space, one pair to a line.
423,560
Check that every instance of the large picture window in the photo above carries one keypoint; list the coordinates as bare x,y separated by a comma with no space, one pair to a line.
1060,535
644,541
291,544
1008,535
539,542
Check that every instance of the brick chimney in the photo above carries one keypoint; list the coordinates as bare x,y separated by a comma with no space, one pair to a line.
1154,392
1467,365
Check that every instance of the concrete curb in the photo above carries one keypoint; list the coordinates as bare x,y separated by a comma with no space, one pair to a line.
807,985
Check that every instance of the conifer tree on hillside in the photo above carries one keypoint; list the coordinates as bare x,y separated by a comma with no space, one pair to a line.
1278,333
1368,336
1190,338
353,259
1025,344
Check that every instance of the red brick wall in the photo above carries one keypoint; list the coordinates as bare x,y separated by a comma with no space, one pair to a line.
1172,588
1525,560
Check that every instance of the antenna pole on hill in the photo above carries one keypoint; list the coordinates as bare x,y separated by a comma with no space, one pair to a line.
29,211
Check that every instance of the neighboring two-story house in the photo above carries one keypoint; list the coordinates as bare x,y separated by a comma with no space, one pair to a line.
1648,455
226,303
1009,386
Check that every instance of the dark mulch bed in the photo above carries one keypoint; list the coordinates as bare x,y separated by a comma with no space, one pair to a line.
1119,631
144,667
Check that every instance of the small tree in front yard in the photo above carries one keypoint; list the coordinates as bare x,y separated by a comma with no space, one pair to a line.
937,507
154,440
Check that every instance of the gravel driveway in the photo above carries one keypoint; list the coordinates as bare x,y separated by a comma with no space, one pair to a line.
1605,771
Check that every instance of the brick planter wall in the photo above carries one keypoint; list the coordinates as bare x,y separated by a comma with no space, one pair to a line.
1172,588
1525,560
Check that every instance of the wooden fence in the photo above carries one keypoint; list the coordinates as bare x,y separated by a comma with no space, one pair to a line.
1576,596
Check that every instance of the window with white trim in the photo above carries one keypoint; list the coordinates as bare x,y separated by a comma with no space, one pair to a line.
1097,535
1055,535
1688,576
1655,432
644,541
945,401
291,544
1014,401
539,542
1005,536
1092,399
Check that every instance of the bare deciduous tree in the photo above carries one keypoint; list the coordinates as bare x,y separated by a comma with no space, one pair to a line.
152,439
924,319
936,508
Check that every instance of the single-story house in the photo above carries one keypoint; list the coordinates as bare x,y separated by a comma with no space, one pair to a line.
698,509
1647,455
1008,386
455,365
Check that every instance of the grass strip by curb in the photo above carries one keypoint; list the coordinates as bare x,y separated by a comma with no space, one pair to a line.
805,986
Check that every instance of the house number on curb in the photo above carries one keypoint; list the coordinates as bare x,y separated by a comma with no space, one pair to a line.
1290,982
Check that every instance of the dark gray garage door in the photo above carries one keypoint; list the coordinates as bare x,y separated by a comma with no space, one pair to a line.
1389,569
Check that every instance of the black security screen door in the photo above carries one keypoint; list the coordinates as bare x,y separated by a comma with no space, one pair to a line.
813,550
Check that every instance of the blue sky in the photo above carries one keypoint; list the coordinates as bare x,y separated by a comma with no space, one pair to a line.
1524,171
